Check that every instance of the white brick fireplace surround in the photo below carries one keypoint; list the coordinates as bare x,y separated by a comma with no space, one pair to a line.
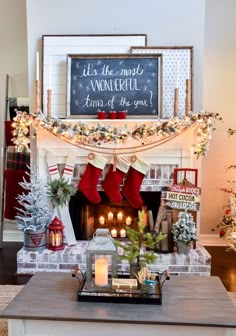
174,154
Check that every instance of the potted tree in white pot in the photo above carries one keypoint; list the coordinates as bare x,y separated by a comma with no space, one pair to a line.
34,213
184,232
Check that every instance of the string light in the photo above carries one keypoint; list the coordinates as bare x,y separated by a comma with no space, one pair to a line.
84,135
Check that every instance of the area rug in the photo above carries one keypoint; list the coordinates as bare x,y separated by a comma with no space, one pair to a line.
7,293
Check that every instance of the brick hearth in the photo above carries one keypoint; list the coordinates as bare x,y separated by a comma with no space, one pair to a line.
198,262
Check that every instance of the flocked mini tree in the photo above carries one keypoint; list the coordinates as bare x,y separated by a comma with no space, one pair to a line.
35,212
228,221
184,230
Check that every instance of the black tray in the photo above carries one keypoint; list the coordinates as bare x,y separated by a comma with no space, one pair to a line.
120,296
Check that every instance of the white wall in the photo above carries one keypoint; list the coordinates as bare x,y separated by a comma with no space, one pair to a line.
220,97
13,57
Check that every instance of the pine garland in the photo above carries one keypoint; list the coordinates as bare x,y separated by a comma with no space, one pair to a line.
60,191
35,213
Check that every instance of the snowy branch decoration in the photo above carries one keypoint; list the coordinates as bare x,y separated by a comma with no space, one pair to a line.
35,213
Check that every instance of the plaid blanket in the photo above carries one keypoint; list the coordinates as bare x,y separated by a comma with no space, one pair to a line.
16,160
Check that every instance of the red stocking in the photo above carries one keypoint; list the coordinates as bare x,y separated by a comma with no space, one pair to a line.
88,183
114,178
136,173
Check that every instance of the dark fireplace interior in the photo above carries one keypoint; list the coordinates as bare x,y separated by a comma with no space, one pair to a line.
87,217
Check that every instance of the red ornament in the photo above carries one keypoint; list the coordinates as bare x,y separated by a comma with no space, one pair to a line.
55,233
228,212
222,233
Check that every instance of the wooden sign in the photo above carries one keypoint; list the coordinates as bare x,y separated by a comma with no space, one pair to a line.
130,83
178,199
183,205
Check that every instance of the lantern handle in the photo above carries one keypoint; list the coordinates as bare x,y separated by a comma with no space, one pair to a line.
104,233
77,273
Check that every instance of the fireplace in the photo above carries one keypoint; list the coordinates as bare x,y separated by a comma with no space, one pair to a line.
87,217
162,160
84,215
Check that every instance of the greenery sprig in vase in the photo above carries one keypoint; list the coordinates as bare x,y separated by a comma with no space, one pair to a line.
140,248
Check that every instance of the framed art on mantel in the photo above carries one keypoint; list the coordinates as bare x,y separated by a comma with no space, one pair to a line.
55,49
177,67
130,83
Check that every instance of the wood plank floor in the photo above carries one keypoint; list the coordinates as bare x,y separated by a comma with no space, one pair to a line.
223,265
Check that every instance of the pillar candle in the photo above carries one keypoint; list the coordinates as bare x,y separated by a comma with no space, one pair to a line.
110,216
177,75
188,66
120,216
101,272
50,77
37,65
128,220
101,220
114,233
122,233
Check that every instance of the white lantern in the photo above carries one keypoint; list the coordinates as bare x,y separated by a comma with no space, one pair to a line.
101,261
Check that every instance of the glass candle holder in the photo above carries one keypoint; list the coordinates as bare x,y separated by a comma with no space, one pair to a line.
121,114
112,114
101,115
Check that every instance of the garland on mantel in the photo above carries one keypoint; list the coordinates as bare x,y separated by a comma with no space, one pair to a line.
90,137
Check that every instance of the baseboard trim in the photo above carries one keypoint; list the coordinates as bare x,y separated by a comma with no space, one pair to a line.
211,240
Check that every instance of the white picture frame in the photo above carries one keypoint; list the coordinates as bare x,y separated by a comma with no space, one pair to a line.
55,49
174,59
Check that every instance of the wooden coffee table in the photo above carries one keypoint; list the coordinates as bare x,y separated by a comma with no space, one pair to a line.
191,305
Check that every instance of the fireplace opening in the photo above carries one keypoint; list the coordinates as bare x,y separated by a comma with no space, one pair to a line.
87,217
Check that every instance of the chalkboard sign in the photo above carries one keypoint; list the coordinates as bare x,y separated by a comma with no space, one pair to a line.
130,83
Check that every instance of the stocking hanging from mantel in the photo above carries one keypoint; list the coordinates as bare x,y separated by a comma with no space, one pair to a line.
88,182
63,211
137,171
114,178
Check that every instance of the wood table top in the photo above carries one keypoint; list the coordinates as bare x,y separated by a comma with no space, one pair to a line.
187,300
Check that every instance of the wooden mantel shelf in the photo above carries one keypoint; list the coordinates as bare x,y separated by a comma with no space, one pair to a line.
188,302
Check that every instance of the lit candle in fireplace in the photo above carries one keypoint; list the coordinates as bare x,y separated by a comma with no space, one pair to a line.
114,233
101,272
101,220
120,216
110,216
128,220
122,233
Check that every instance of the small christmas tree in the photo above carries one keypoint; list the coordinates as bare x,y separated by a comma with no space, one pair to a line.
228,222
141,246
184,229
35,213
